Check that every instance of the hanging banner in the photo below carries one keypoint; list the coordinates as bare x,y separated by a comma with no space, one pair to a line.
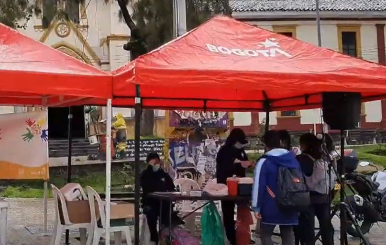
208,119
24,146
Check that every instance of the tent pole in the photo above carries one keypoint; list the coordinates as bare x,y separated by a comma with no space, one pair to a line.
137,132
69,158
45,208
267,121
267,109
108,170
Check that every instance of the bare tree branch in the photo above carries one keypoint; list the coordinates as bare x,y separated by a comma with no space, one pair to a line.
126,15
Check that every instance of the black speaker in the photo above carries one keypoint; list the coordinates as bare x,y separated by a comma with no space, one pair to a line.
341,110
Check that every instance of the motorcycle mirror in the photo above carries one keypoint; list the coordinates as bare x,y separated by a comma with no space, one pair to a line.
364,164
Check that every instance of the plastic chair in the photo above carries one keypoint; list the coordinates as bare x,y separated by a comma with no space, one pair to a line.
4,205
186,207
67,225
100,229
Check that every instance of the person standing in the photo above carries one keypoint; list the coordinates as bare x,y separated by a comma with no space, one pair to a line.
315,170
265,189
120,136
231,161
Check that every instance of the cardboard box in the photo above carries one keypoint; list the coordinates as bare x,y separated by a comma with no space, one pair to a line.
78,211
122,210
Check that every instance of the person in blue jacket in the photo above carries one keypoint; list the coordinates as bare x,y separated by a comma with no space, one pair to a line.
265,186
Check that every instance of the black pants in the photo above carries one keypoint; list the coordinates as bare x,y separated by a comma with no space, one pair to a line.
152,218
286,234
305,232
152,214
322,212
228,213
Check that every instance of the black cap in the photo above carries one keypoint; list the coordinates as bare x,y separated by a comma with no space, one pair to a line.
151,156
237,135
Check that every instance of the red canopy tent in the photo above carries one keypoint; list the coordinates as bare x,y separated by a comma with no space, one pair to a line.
225,64
35,74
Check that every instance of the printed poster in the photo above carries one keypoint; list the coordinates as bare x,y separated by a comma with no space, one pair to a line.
196,156
24,146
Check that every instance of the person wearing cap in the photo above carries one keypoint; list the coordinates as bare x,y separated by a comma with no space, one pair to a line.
231,161
155,179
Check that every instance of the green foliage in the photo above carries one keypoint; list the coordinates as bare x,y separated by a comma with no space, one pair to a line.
154,18
16,13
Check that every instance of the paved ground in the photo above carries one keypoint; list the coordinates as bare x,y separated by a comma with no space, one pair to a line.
25,219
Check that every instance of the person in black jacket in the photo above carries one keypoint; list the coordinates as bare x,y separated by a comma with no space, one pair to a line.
155,179
320,205
231,160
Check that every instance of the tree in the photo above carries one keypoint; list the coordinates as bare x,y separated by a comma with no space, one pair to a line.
16,13
137,46
151,26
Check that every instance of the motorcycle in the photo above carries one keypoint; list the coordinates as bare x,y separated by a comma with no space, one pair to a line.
368,202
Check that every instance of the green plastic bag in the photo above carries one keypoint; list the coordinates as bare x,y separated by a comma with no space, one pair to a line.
212,229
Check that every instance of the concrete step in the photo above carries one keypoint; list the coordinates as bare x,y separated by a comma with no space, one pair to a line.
80,147
65,142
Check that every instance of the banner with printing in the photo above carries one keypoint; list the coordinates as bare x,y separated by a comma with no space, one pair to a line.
24,145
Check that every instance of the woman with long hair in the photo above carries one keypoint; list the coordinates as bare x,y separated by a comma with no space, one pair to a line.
314,168
329,153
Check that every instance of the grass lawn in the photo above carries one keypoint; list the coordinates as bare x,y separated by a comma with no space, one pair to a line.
372,153
35,188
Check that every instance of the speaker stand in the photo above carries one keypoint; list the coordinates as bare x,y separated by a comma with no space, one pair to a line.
343,206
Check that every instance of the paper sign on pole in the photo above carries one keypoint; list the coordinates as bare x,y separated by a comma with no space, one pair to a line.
24,146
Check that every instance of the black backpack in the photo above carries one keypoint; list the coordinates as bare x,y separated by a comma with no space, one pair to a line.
292,191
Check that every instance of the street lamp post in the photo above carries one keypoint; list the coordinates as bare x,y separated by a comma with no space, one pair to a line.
318,23
179,18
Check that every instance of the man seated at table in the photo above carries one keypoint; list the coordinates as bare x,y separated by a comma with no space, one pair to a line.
155,179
